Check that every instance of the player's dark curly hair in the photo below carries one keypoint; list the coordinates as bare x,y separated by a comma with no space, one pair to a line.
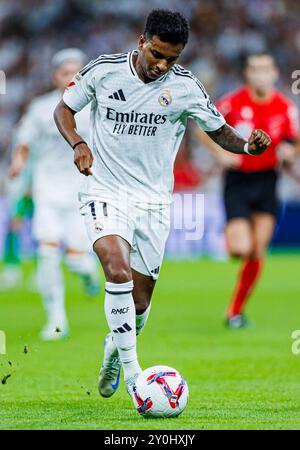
169,26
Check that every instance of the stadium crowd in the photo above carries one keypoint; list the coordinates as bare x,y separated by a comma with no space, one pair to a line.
223,31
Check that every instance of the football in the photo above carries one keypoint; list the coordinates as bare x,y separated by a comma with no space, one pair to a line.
160,391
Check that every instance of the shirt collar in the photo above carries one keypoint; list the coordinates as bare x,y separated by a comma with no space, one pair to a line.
134,73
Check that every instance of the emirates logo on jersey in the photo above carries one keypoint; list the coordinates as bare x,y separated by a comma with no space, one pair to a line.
165,98
135,123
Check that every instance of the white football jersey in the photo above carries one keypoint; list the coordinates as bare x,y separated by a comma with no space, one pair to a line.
136,128
55,178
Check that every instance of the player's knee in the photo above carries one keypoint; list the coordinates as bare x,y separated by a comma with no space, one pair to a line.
239,238
240,251
48,244
47,251
116,273
240,255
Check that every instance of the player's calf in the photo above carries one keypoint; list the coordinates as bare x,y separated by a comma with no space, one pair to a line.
239,238
85,265
51,286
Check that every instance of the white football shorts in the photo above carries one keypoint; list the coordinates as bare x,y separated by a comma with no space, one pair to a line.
146,230
52,223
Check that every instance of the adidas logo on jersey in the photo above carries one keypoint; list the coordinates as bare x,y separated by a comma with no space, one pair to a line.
118,95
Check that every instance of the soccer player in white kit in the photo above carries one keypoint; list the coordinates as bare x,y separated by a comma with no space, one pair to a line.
56,182
141,101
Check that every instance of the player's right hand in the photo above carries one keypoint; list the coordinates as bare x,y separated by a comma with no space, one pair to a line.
258,142
83,159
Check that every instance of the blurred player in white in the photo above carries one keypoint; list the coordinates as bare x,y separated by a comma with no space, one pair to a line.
57,221
141,101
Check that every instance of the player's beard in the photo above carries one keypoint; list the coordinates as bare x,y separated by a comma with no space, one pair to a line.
148,73
152,74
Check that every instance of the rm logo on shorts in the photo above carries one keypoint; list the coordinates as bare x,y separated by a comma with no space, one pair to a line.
98,226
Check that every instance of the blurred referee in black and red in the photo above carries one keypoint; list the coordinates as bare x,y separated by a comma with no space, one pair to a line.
250,183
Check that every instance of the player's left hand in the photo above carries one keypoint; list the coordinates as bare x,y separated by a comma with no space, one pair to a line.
258,142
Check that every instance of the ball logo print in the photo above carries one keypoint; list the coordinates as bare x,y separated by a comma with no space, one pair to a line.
160,378
142,405
160,391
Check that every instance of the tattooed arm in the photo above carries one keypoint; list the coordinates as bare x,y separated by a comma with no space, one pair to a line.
229,139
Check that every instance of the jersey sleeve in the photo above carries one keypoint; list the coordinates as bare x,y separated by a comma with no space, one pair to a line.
81,90
201,109
28,129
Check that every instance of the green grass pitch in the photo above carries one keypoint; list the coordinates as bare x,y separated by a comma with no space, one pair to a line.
243,379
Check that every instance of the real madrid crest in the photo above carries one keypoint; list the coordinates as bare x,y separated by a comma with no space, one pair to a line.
98,226
165,98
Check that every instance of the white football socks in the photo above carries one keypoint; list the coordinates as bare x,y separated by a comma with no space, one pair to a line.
51,284
120,315
141,320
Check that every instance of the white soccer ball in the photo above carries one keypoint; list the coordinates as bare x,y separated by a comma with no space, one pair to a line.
160,391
